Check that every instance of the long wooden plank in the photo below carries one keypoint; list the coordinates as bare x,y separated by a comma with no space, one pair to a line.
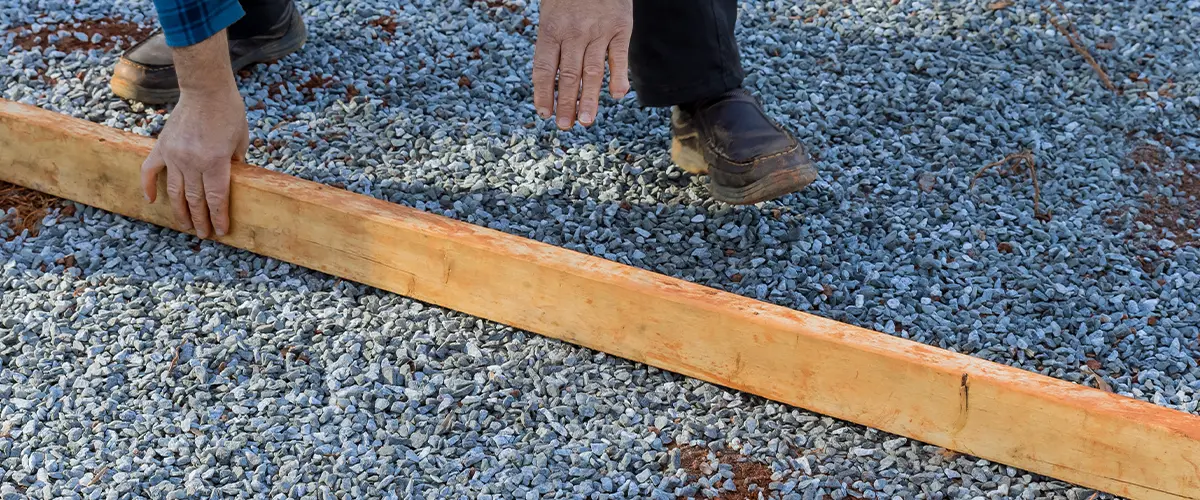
1044,425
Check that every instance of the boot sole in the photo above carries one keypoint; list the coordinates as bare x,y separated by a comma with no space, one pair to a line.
270,52
774,185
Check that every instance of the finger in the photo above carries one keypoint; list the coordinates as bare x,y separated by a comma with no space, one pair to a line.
216,195
194,192
570,69
178,201
545,68
593,79
239,153
618,65
151,168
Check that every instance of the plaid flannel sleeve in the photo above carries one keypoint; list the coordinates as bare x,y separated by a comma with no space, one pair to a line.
188,22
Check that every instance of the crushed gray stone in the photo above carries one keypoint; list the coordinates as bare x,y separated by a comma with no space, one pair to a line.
158,366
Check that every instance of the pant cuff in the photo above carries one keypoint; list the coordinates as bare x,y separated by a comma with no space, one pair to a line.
655,96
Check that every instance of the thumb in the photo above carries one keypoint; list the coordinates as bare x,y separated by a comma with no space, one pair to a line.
153,166
239,152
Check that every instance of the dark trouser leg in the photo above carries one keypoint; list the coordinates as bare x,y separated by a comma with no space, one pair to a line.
261,16
683,50
683,54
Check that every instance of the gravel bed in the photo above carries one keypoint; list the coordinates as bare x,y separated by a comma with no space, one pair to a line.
148,364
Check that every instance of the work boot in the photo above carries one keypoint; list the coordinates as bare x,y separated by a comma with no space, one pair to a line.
146,72
747,156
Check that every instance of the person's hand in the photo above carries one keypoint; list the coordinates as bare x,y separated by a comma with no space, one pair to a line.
205,132
574,37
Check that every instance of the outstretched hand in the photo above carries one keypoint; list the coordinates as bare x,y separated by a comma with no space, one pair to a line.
574,38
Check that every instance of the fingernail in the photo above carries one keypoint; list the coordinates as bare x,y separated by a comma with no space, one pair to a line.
564,123
220,232
585,117
544,113
146,197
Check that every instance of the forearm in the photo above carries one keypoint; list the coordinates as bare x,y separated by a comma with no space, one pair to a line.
204,68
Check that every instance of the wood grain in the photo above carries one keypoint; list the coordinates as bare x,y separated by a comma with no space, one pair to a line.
1040,424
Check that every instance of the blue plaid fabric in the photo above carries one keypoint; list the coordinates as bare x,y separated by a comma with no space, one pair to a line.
188,22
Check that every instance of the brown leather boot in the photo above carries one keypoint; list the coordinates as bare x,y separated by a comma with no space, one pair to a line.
146,72
748,157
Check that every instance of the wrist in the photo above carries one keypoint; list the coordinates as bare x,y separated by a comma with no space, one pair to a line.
204,69
208,90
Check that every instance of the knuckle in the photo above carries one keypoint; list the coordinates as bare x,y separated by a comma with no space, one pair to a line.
563,31
593,70
189,157
174,152
543,66
568,74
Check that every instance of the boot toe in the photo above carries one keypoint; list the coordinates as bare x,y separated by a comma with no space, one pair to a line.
146,72
148,84
748,157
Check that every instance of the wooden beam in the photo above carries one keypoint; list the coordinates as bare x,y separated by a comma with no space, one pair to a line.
1037,423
